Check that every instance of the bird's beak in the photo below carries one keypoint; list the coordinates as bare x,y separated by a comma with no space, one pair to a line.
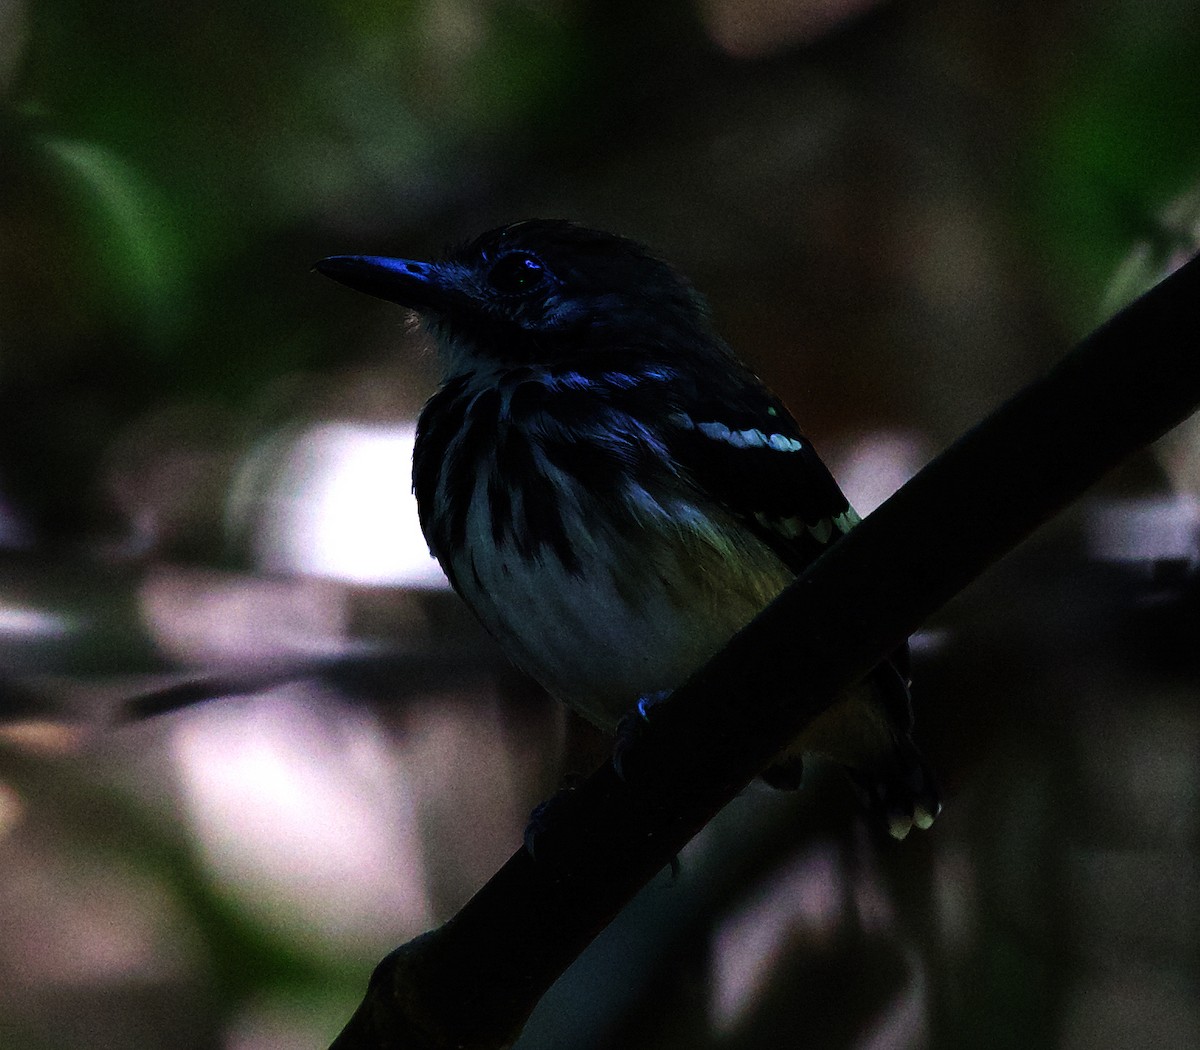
417,285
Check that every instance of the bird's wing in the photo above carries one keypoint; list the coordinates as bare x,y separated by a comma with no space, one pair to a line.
743,449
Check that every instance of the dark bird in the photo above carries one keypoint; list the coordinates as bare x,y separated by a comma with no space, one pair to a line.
613,492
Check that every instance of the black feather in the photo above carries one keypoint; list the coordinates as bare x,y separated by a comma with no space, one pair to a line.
764,486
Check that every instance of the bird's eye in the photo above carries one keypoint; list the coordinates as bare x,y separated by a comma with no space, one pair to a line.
517,274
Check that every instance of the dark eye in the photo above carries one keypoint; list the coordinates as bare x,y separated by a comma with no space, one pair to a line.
517,274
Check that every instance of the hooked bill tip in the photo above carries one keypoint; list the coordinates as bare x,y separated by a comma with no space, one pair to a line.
338,266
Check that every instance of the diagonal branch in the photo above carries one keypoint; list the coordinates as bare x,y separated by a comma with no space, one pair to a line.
472,983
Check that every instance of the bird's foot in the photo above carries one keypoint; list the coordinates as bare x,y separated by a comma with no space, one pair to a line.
632,727
544,814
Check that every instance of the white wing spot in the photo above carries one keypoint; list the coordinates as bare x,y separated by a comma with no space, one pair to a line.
751,438
785,444
716,431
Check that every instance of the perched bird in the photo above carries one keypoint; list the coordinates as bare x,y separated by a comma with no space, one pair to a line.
613,492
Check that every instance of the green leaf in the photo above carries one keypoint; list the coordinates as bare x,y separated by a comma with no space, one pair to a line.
135,259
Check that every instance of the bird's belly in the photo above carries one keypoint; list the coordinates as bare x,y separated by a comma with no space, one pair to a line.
643,611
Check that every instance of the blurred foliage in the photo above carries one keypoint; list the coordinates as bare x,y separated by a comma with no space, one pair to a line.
899,211
1117,142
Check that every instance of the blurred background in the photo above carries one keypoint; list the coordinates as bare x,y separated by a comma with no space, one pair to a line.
249,741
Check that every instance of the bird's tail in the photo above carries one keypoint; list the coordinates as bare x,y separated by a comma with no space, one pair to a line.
868,732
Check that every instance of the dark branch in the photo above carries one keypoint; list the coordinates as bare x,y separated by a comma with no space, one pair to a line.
472,983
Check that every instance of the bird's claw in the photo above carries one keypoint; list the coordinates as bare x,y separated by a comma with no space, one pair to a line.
542,818
632,727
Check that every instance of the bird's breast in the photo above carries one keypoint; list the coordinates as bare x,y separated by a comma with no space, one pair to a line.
642,600
561,520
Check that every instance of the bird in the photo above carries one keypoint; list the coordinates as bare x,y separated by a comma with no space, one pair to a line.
614,493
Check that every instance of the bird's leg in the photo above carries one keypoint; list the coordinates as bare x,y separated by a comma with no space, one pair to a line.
539,819
648,701
633,726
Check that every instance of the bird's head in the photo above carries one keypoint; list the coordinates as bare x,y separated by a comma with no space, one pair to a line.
538,292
